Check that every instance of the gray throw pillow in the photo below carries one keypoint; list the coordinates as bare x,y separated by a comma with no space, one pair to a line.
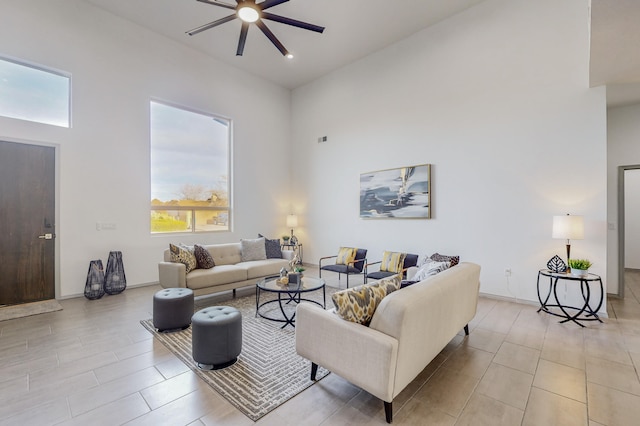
253,249
272,248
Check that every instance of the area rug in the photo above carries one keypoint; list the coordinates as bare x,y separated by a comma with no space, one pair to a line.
268,371
28,309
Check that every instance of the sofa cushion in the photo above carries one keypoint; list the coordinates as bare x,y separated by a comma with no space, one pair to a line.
392,261
272,247
203,257
454,260
358,304
183,254
261,268
346,256
221,274
253,249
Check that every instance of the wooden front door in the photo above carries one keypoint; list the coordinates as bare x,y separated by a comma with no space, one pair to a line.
27,220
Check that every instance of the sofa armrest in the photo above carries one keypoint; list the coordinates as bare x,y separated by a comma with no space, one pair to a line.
363,356
172,274
288,254
411,272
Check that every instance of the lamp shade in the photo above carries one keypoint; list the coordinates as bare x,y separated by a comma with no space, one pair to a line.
292,221
568,227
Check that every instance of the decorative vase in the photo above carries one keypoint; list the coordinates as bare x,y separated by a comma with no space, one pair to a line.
580,273
94,287
115,280
294,278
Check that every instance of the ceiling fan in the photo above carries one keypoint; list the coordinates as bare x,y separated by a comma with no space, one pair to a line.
251,12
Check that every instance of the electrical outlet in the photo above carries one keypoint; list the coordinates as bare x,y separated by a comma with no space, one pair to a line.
507,272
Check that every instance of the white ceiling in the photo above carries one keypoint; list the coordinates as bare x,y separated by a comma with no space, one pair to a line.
357,28
354,29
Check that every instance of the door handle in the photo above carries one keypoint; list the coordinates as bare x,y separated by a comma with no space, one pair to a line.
46,236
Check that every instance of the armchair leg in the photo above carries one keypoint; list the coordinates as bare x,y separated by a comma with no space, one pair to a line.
388,411
466,329
314,371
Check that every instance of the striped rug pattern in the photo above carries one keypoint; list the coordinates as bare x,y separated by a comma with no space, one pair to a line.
268,371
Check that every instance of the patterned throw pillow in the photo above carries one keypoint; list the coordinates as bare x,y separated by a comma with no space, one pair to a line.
272,248
429,269
204,259
358,304
253,249
183,254
392,261
389,284
454,260
346,256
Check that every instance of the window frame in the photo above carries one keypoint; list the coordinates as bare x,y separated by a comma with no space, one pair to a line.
194,209
49,70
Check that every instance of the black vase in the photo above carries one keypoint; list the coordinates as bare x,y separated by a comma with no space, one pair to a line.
94,288
115,281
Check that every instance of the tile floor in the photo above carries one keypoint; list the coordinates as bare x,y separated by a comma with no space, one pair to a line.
94,364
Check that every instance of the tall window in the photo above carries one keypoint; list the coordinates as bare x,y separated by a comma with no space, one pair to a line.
35,94
190,157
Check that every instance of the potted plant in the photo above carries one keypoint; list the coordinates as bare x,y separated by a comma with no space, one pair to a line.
579,267
285,238
296,275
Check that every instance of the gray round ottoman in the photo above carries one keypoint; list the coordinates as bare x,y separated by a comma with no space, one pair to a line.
172,308
216,337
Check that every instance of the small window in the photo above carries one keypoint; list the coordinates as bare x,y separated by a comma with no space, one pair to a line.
189,170
35,94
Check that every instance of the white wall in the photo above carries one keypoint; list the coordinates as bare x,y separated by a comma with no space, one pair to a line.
623,135
116,68
497,99
632,219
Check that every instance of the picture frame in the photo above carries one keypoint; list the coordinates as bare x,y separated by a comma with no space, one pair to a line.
398,193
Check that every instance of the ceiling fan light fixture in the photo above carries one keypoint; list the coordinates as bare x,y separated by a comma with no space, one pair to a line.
248,13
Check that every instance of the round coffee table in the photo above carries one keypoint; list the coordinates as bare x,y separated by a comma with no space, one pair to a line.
287,295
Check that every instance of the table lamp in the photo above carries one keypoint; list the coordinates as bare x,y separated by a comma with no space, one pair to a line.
568,228
292,222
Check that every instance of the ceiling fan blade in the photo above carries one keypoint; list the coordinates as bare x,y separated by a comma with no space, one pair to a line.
212,24
243,38
218,3
272,37
295,23
270,3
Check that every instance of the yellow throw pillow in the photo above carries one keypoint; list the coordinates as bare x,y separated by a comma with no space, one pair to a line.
358,304
389,284
392,261
346,256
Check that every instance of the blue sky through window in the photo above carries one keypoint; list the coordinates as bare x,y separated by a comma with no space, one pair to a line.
32,94
187,148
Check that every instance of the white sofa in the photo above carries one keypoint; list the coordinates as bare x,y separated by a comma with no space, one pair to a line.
229,273
409,328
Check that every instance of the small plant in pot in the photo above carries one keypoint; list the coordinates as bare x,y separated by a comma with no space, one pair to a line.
579,267
285,238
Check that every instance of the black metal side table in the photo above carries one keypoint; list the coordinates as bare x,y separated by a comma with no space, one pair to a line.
583,313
